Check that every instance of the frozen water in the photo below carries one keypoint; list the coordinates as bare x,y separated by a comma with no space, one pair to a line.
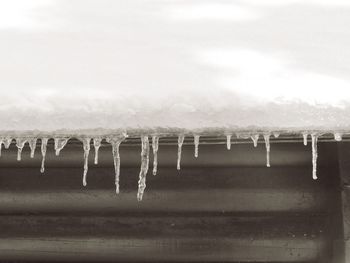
196,144
20,142
255,139
338,136
43,153
86,147
97,145
267,145
115,141
314,138
180,141
144,166
7,142
305,138
228,141
59,144
155,145
32,146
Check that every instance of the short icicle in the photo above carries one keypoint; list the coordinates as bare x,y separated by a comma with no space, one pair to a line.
7,142
255,139
228,141
314,138
144,166
305,138
43,153
276,134
180,141
267,145
32,146
338,137
115,141
196,144
20,142
97,145
59,144
86,146
155,146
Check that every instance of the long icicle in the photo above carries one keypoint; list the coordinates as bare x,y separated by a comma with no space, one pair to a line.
144,166
180,141
305,138
255,139
115,141
155,146
20,142
32,146
196,144
43,153
228,141
97,145
59,144
267,145
1,141
314,138
86,146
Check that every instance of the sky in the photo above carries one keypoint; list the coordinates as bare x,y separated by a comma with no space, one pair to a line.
186,55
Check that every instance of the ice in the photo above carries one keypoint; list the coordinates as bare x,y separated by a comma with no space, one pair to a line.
1,141
97,145
115,141
267,145
155,146
86,146
255,139
180,141
276,134
32,146
338,136
43,153
314,138
196,144
7,142
144,166
20,142
228,141
59,144
305,138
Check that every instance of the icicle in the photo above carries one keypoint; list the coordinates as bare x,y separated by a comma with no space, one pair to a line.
144,166
276,134
155,146
180,141
59,144
255,139
7,142
97,145
196,144
1,141
43,153
86,146
32,146
305,138
20,142
228,141
338,137
115,142
314,139
267,144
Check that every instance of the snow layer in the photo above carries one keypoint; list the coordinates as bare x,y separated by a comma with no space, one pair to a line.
189,64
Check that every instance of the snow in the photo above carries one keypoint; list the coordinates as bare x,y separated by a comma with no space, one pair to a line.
94,66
